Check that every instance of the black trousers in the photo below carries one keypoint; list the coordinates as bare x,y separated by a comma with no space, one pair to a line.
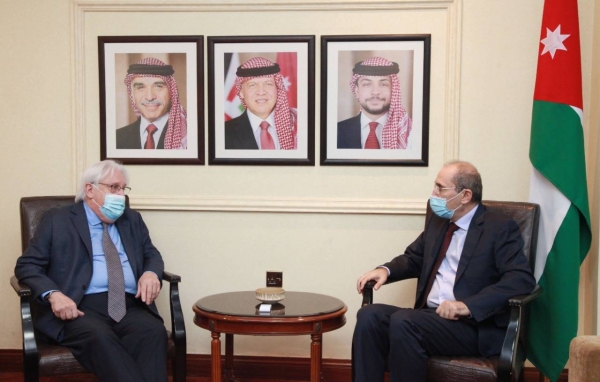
408,337
134,349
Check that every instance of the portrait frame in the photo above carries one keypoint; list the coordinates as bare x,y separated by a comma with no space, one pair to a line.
342,145
295,56
185,54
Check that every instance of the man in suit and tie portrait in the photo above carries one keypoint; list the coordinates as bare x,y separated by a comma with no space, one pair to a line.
383,123
469,262
268,122
161,120
95,274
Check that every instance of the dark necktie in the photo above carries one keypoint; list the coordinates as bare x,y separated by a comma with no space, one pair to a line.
438,261
372,142
151,129
116,280
266,140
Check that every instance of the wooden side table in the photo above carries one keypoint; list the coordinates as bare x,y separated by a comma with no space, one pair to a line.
237,313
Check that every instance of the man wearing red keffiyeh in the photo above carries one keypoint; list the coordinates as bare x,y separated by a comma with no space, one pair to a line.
382,122
268,121
162,121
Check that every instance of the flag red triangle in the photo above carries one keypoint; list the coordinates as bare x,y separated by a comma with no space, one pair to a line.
559,77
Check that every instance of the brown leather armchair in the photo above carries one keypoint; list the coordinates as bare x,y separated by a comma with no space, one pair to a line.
40,358
508,366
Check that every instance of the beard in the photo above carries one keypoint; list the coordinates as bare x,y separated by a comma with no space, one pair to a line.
376,111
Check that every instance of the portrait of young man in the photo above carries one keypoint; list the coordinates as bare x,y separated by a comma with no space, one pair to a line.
375,109
379,118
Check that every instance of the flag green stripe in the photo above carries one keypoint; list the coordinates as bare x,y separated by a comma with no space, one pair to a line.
554,313
557,151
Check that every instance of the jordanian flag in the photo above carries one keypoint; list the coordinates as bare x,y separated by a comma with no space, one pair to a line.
558,184
233,105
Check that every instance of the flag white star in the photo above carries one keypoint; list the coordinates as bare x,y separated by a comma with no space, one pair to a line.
554,41
287,83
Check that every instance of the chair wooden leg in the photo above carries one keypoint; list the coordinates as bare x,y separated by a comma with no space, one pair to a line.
543,378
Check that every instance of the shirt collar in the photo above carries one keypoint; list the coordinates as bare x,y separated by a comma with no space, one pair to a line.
256,120
364,120
92,218
159,123
465,221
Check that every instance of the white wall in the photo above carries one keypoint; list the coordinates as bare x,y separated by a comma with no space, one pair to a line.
483,63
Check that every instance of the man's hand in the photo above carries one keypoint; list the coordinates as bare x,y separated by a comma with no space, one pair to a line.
63,307
148,287
380,275
453,310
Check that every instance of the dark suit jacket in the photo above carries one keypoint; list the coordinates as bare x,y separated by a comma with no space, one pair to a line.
128,137
492,269
348,133
239,135
59,257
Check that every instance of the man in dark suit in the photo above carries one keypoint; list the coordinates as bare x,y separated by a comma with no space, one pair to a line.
162,121
95,274
349,133
382,123
128,137
460,308
268,123
239,135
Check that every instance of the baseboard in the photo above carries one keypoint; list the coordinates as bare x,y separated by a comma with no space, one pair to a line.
254,367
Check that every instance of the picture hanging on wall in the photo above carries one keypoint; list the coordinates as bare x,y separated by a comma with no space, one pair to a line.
261,100
151,99
375,100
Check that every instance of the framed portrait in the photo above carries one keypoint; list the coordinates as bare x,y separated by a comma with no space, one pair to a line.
375,100
151,99
261,100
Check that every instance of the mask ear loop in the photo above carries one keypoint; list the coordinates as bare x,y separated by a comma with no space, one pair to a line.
454,210
96,187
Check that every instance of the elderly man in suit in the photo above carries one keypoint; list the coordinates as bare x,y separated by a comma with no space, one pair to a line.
162,121
95,275
468,262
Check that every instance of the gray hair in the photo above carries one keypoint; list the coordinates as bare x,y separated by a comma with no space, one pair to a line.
467,177
96,172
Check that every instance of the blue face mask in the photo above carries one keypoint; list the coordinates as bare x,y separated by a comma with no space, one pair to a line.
440,208
114,205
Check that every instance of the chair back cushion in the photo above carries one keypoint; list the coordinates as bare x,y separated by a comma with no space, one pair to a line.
33,209
525,214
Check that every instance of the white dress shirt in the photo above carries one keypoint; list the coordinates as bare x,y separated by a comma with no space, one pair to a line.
160,124
443,285
365,129
255,123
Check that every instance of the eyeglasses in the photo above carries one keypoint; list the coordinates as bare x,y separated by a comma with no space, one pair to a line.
115,188
438,189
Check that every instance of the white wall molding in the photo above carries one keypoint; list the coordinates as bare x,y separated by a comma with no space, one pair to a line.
288,205
255,5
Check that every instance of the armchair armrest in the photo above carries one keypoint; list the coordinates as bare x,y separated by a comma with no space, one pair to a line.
22,289
526,298
368,291
30,351
177,321
513,352
171,277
